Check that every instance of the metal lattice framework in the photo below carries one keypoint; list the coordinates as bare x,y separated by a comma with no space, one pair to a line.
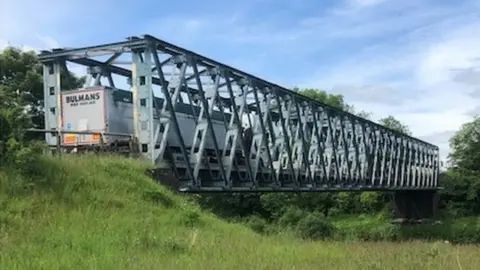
293,143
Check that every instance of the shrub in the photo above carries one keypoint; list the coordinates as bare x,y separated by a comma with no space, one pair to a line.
257,224
291,217
315,227
370,201
190,218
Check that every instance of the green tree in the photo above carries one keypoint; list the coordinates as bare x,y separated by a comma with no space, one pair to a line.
21,78
364,114
462,181
465,146
334,100
461,194
13,120
21,100
395,124
322,96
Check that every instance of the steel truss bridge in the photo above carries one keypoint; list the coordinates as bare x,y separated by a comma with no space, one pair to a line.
294,143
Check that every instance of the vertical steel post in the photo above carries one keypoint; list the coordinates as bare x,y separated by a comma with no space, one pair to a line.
52,101
143,102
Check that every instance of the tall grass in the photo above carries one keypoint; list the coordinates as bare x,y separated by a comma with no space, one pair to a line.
464,230
104,213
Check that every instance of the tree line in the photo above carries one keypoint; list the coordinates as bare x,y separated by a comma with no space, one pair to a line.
21,107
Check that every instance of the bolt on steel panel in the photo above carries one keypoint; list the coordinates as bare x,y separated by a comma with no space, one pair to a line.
250,134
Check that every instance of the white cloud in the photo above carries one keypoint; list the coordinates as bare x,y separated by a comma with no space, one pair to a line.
458,50
469,76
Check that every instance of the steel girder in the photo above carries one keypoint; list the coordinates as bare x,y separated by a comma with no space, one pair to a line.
291,143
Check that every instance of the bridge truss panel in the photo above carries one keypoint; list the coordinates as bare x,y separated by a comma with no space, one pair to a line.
242,133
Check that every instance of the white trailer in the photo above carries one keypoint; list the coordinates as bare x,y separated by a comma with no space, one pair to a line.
108,110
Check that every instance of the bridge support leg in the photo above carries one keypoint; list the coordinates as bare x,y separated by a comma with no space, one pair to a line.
415,205
52,102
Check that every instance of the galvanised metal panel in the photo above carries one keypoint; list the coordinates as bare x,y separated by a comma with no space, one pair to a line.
273,138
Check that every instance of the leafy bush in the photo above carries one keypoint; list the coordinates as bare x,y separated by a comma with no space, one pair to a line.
190,218
370,201
315,227
291,217
257,224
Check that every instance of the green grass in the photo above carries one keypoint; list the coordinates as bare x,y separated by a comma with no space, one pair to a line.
465,230
104,213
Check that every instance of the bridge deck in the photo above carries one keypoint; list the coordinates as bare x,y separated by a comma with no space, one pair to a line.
263,137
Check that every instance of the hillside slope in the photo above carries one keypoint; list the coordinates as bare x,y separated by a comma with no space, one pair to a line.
104,213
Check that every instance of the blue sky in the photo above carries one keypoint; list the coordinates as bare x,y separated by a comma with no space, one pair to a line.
418,60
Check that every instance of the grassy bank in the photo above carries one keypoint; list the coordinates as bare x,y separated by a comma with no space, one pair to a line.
103,213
